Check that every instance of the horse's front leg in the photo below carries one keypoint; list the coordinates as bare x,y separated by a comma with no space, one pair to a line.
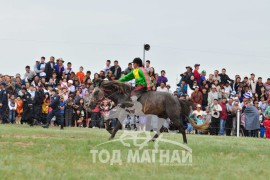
116,128
107,124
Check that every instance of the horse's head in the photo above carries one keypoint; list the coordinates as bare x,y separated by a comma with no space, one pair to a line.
97,97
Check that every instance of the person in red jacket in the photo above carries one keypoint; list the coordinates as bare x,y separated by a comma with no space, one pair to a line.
197,75
223,116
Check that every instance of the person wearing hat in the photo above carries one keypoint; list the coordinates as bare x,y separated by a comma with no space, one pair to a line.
59,69
143,82
27,115
38,101
197,75
56,111
202,77
3,102
186,76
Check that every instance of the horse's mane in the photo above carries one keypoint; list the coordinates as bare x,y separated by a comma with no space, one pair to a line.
116,86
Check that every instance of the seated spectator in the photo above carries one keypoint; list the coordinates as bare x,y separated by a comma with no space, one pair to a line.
162,87
162,78
182,90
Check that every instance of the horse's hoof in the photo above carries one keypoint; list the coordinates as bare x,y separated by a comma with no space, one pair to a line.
152,140
111,138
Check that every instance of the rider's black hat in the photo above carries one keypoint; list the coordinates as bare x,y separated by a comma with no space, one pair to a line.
137,61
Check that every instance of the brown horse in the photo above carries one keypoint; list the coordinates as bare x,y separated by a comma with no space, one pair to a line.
161,104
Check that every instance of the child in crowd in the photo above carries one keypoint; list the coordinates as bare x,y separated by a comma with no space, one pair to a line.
45,108
19,109
12,109
105,108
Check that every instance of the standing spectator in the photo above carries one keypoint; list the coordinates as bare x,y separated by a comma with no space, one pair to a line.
36,68
68,70
69,111
59,69
215,122
197,75
41,67
147,65
80,75
216,76
235,109
230,115
62,107
223,116
27,115
49,68
224,77
116,70
204,99
162,87
38,101
252,124
259,84
95,116
267,86
3,102
162,78
196,96
12,109
55,111
107,67
252,83
128,69
213,94
29,75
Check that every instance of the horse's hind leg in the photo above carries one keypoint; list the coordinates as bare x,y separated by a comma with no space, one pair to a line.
183,131
116,128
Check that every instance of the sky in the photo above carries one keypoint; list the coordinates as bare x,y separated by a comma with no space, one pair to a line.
233,34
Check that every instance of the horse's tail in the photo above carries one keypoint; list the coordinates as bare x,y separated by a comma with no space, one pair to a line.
185,110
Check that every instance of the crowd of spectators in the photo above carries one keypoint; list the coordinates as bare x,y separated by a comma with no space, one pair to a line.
216,97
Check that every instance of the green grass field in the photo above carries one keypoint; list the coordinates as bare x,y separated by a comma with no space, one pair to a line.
36,153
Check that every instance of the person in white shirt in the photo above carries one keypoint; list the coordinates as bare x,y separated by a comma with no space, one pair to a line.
68,70
215,121
107,67
252,83
228,88
29,74
162,87
147,65
70,86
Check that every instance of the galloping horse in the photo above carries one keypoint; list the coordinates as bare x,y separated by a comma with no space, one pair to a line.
161,104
